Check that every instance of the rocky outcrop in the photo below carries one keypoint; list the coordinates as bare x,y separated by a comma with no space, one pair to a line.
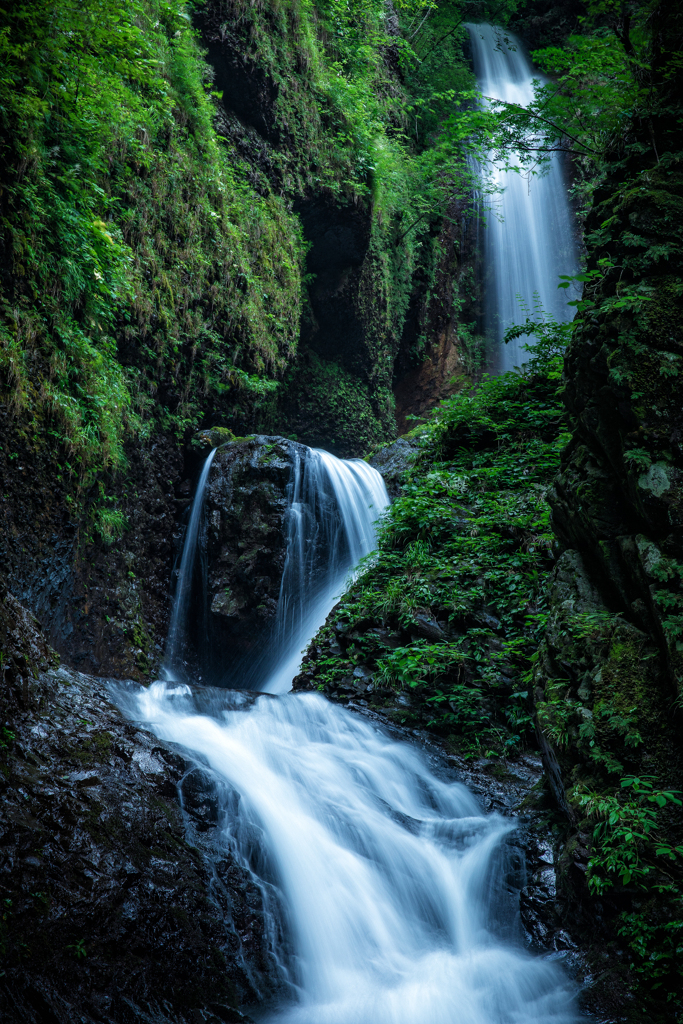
393,462
244,550
438,351
618,500
117,904
609,675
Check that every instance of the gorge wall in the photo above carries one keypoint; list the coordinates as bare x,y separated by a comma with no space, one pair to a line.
240,243
238,262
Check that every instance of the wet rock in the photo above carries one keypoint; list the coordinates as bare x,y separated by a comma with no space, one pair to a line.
429,628
245,507
362,673
393,460
103,605
117,904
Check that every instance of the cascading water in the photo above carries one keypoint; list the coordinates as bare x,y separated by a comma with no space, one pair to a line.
183,591
392,884
386,889
528,240
333,507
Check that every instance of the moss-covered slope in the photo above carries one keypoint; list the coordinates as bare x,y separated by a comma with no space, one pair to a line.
173,230
440,627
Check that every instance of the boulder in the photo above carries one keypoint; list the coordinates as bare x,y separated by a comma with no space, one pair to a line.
245,511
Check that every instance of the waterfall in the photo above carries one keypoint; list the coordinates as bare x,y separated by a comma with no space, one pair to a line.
333,507
388,895
529,237
183,591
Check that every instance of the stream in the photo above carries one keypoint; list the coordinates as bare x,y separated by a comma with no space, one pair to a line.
386,889
529,235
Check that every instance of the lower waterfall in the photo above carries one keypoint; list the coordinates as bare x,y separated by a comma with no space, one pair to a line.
333,507
392,883
386,888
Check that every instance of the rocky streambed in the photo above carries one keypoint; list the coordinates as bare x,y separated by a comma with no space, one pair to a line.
122,900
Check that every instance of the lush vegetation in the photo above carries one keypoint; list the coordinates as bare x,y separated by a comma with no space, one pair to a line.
153,275
143,276
452,607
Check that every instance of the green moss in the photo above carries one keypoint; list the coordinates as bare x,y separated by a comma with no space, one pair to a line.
333,407
94,749
464,551
150,281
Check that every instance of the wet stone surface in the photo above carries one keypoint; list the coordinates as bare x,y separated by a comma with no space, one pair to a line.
118,904
244,548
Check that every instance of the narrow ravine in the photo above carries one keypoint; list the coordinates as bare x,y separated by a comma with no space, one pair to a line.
341,518
387,891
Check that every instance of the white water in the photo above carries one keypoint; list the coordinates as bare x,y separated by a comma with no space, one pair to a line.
333,508
183,591
394,895
387,895
392,880
528,240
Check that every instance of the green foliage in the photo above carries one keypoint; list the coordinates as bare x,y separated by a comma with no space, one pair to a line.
78,949
155,277
7,737
625,839
145,267
323,395
414,665
110,523
654,936
464,551
629,848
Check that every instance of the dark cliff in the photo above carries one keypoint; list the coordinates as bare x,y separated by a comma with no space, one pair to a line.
609,676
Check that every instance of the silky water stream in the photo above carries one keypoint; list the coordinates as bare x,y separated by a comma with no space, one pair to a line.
385,886
528,239
386,889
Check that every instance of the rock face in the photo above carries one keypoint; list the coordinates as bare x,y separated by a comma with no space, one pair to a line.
245,508
609,675
117,905
393,461
102,605
618,501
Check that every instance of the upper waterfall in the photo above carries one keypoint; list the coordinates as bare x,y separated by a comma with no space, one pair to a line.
528,239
